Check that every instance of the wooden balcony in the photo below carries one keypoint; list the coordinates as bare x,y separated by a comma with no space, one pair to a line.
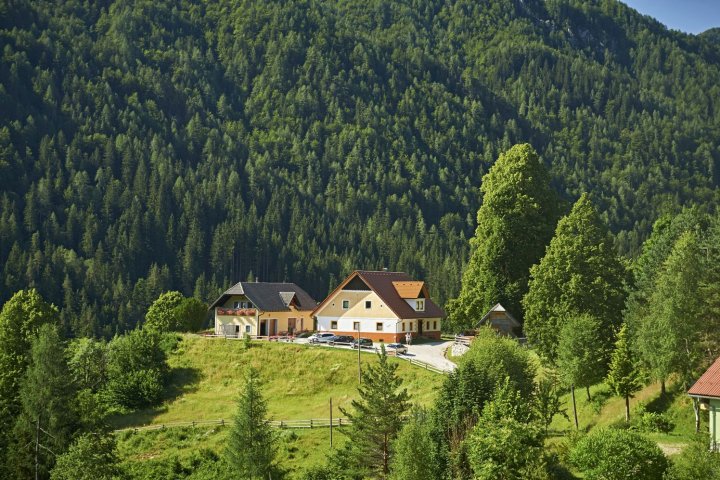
236,312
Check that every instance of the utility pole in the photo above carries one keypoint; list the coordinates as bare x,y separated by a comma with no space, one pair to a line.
358,346
37,446
331,423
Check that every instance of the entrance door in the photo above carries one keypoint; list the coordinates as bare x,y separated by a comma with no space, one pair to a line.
263,328
420,327
273,327
291,325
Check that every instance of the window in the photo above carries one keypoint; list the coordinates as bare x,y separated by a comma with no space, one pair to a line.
356,326
379,326
435,325
346,304
333,325
247,328
236,305
368,304
411,326
237,328
420,305
403,327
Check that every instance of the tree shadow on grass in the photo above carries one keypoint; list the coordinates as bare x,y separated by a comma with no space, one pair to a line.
181,381
661,403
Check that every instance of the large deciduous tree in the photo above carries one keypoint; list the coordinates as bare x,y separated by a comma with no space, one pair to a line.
668,339
48,411
583,351
580,273
514,224
20,319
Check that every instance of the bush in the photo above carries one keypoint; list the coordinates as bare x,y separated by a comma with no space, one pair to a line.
136,370
613,454
651,421
695,462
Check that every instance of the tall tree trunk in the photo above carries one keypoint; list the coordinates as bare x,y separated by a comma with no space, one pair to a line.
587,389
572,394
696,409
627,408
662,387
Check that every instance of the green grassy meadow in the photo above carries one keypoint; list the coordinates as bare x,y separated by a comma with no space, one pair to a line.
206,377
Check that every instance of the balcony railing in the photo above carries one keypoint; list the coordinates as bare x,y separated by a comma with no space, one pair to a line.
238,312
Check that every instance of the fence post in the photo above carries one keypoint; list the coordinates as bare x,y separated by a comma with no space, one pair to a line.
311,426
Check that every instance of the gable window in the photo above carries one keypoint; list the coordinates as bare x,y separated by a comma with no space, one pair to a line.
368,304
346,304
379,326
237,305
356,326
333,325
420,305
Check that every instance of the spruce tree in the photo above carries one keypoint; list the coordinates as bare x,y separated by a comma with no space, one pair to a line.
251,445
580,273
48,412
514,224
624,376
376,419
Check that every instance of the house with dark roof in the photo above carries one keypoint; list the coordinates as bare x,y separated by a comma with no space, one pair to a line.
501,321
263,309
382,305
705,393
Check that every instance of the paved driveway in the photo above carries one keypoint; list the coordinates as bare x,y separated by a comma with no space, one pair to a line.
432,353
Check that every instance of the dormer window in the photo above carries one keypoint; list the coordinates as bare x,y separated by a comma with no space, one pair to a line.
420,305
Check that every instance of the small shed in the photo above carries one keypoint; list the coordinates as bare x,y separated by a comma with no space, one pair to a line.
501,321
705,393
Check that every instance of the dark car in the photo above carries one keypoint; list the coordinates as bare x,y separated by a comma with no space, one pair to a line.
364,343
343,339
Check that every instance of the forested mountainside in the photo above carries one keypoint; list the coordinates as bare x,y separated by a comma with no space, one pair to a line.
150,145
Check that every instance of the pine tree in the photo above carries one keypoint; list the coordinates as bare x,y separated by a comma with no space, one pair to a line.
251,446
48,407
376,418
624,376
580,273
514,224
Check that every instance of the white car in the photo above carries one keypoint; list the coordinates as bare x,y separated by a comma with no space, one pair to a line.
321,337
397,348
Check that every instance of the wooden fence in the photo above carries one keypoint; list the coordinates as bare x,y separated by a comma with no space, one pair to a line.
292,424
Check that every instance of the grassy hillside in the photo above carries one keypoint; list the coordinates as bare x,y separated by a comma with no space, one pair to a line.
206,378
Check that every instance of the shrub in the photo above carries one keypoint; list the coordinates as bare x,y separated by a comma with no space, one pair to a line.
136,370
695,462
651,421
613,454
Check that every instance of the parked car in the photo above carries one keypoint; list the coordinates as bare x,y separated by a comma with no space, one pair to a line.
321,337
396,348
364,343
343,339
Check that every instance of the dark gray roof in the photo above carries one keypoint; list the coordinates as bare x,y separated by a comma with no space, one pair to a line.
269,297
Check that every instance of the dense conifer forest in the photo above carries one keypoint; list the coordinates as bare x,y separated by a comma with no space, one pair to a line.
147,146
